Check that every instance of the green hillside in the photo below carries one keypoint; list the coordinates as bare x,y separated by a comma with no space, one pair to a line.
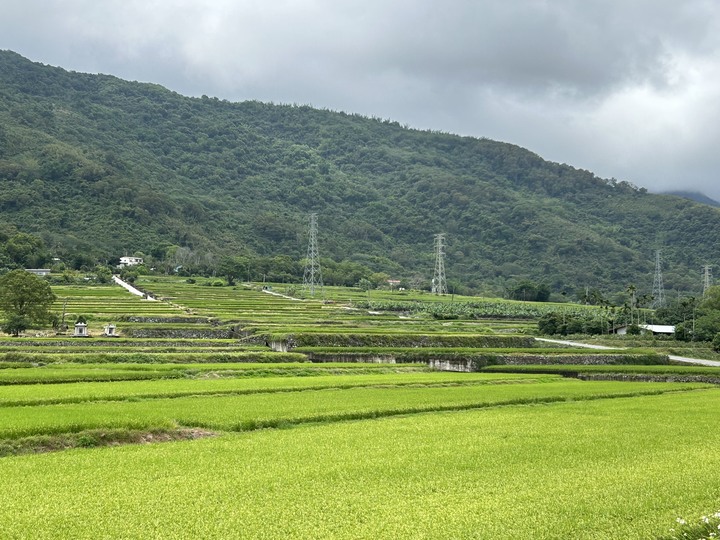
96,165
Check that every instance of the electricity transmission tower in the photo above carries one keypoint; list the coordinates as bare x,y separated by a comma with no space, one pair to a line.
312,277
707,278
439,285
658,291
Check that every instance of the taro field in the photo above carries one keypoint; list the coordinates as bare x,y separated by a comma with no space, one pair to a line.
229,412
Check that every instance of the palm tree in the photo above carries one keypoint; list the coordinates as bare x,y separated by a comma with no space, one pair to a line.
632,289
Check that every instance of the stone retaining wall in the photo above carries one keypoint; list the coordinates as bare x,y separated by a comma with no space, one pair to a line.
475,361
709,379
181,333
165,320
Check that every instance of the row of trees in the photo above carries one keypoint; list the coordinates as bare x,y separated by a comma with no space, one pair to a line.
694,318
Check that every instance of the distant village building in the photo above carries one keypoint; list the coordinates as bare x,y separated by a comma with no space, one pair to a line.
655,329
130,261
39,271
80,330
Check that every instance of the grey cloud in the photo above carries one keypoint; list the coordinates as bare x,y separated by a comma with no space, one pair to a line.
626,89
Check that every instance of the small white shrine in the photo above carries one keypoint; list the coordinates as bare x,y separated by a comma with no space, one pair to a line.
80,330
110,330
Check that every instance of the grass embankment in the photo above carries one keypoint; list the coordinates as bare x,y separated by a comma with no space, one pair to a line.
155,357
669,369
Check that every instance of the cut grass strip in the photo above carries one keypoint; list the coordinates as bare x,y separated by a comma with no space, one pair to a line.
157,357
118,391
96,438
69,373
669,369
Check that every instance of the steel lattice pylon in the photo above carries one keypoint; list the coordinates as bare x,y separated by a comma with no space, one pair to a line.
312,277
707,278
439,285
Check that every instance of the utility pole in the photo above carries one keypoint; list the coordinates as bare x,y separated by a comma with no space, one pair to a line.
658,292
439,285
312,277
63,326
707,278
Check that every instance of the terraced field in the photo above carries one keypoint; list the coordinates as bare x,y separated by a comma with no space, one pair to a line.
254,443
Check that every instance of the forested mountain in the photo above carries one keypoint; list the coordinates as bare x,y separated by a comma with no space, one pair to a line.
96,165
695,196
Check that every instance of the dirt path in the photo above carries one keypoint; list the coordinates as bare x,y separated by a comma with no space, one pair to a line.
266,291
683,359
577,344
131,289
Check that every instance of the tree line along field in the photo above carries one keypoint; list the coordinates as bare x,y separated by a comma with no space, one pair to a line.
252,443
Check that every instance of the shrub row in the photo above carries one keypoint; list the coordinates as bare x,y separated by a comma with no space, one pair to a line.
155,358
401,340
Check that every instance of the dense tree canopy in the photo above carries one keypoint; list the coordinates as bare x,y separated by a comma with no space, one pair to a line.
97,167
25,300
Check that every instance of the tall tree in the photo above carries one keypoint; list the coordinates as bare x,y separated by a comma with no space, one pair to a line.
25,300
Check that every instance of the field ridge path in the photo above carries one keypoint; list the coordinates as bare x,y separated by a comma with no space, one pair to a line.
683,359
132,290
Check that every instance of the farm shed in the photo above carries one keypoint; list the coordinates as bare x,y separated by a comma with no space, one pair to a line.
655,329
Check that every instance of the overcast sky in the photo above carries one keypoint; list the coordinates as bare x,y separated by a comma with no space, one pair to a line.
625,88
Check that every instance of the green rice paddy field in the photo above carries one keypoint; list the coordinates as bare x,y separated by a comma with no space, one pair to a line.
409,455
165,442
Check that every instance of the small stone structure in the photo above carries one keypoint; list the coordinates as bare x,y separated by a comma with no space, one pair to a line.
110,330
81,330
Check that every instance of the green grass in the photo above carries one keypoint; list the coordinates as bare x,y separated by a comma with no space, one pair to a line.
620,468
669,369
77,372
540,457
33,394
252,411
463,350
161,357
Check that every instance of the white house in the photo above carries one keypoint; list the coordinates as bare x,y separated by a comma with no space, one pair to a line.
39,271
130,261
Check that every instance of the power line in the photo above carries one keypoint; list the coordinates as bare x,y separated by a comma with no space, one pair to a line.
312,277
439,285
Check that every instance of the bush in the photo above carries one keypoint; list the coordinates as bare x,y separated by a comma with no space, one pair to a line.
549,324
716,342
365,285
128,275
633,330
